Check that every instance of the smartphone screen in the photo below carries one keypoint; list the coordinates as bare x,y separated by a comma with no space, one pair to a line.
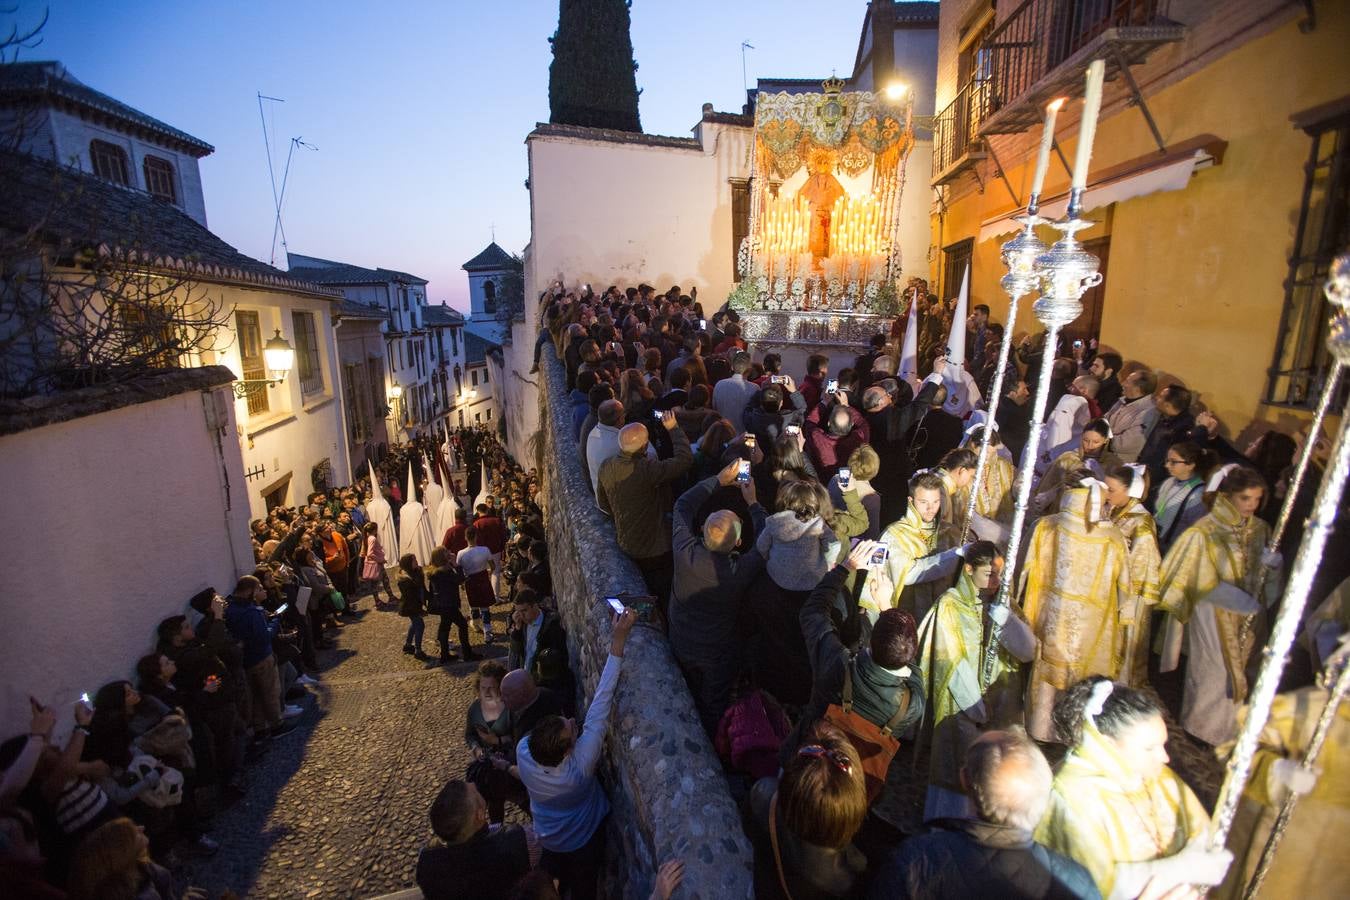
656,414
702,324
845,476
743,471
282,608
793,429
832,387
615,604
879,557
750,441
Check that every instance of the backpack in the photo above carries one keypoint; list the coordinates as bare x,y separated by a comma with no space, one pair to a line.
875,745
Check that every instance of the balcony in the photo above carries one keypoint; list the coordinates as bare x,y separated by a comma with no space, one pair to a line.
1040,51
956,136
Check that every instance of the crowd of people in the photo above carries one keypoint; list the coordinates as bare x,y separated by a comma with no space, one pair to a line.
829,592
828,588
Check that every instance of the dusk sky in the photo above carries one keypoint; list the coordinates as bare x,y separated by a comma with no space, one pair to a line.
419,111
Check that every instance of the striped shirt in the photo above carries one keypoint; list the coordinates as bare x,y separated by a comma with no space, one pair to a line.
79,805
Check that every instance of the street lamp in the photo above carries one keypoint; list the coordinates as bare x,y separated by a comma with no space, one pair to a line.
279,357
896,90
395,392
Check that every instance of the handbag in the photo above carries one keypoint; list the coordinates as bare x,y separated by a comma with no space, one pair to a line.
302,595
773,839
339,602
169,791
876,746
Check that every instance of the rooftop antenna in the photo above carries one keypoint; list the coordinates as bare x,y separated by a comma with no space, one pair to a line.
745,82
271,168
493,226
281,198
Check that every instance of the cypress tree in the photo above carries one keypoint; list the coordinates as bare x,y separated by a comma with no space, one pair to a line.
591,80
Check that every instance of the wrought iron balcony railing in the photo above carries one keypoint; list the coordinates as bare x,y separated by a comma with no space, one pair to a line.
1039,51
956,131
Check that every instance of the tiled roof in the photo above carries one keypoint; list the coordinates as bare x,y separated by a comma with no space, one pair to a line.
79,212
49,81
475,349
547,129
350,309
340,274
493,257
916,12
726,118
439,314
333,272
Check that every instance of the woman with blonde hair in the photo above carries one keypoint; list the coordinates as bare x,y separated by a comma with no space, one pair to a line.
113,863
806,818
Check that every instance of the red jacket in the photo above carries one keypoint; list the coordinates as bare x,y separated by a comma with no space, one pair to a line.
454,540
491,533
827,451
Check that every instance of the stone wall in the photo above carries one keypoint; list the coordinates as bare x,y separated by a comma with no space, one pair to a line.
665,783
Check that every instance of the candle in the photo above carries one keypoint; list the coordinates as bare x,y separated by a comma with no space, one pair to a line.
1047,143
1092,106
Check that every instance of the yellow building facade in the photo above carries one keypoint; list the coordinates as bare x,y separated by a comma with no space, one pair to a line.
1195,276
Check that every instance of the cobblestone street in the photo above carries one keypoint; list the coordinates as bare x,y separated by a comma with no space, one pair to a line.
338,807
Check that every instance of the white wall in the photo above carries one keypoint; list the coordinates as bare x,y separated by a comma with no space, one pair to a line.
117,519
71,135
298,430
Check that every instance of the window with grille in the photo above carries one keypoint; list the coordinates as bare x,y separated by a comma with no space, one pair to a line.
251,360
109,162
307,353
955,258
159,179
1301,361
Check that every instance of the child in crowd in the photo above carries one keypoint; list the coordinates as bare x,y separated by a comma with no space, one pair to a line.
373,573
412,603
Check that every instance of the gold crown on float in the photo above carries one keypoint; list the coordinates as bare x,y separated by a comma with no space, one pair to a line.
833,84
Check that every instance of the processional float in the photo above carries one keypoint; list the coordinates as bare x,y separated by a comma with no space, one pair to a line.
1062,273
819,264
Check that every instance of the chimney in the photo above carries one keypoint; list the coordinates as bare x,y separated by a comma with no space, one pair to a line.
883,42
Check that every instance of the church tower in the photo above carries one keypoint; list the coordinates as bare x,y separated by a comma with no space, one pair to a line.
494,281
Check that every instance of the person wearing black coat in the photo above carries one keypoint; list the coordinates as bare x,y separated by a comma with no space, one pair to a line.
711,578
773,408
996,855
883,674
474,859
890,423
538,644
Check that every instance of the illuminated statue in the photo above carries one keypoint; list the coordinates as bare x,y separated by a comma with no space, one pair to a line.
821,190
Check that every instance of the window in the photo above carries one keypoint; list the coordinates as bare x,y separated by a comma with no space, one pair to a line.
1301,358
109,162
375,382
478,417
403,295
489,415
473,377
356,413
740,219
275,494
489,297
251,359
454,342
307,353
485,375
955,258
159,179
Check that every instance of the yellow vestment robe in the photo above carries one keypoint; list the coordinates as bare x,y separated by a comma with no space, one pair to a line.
951,642
1101,814
1141,537
1307,863
1221,547
1074,585
908,540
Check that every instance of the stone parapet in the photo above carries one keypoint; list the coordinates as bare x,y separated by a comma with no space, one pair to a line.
665,783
